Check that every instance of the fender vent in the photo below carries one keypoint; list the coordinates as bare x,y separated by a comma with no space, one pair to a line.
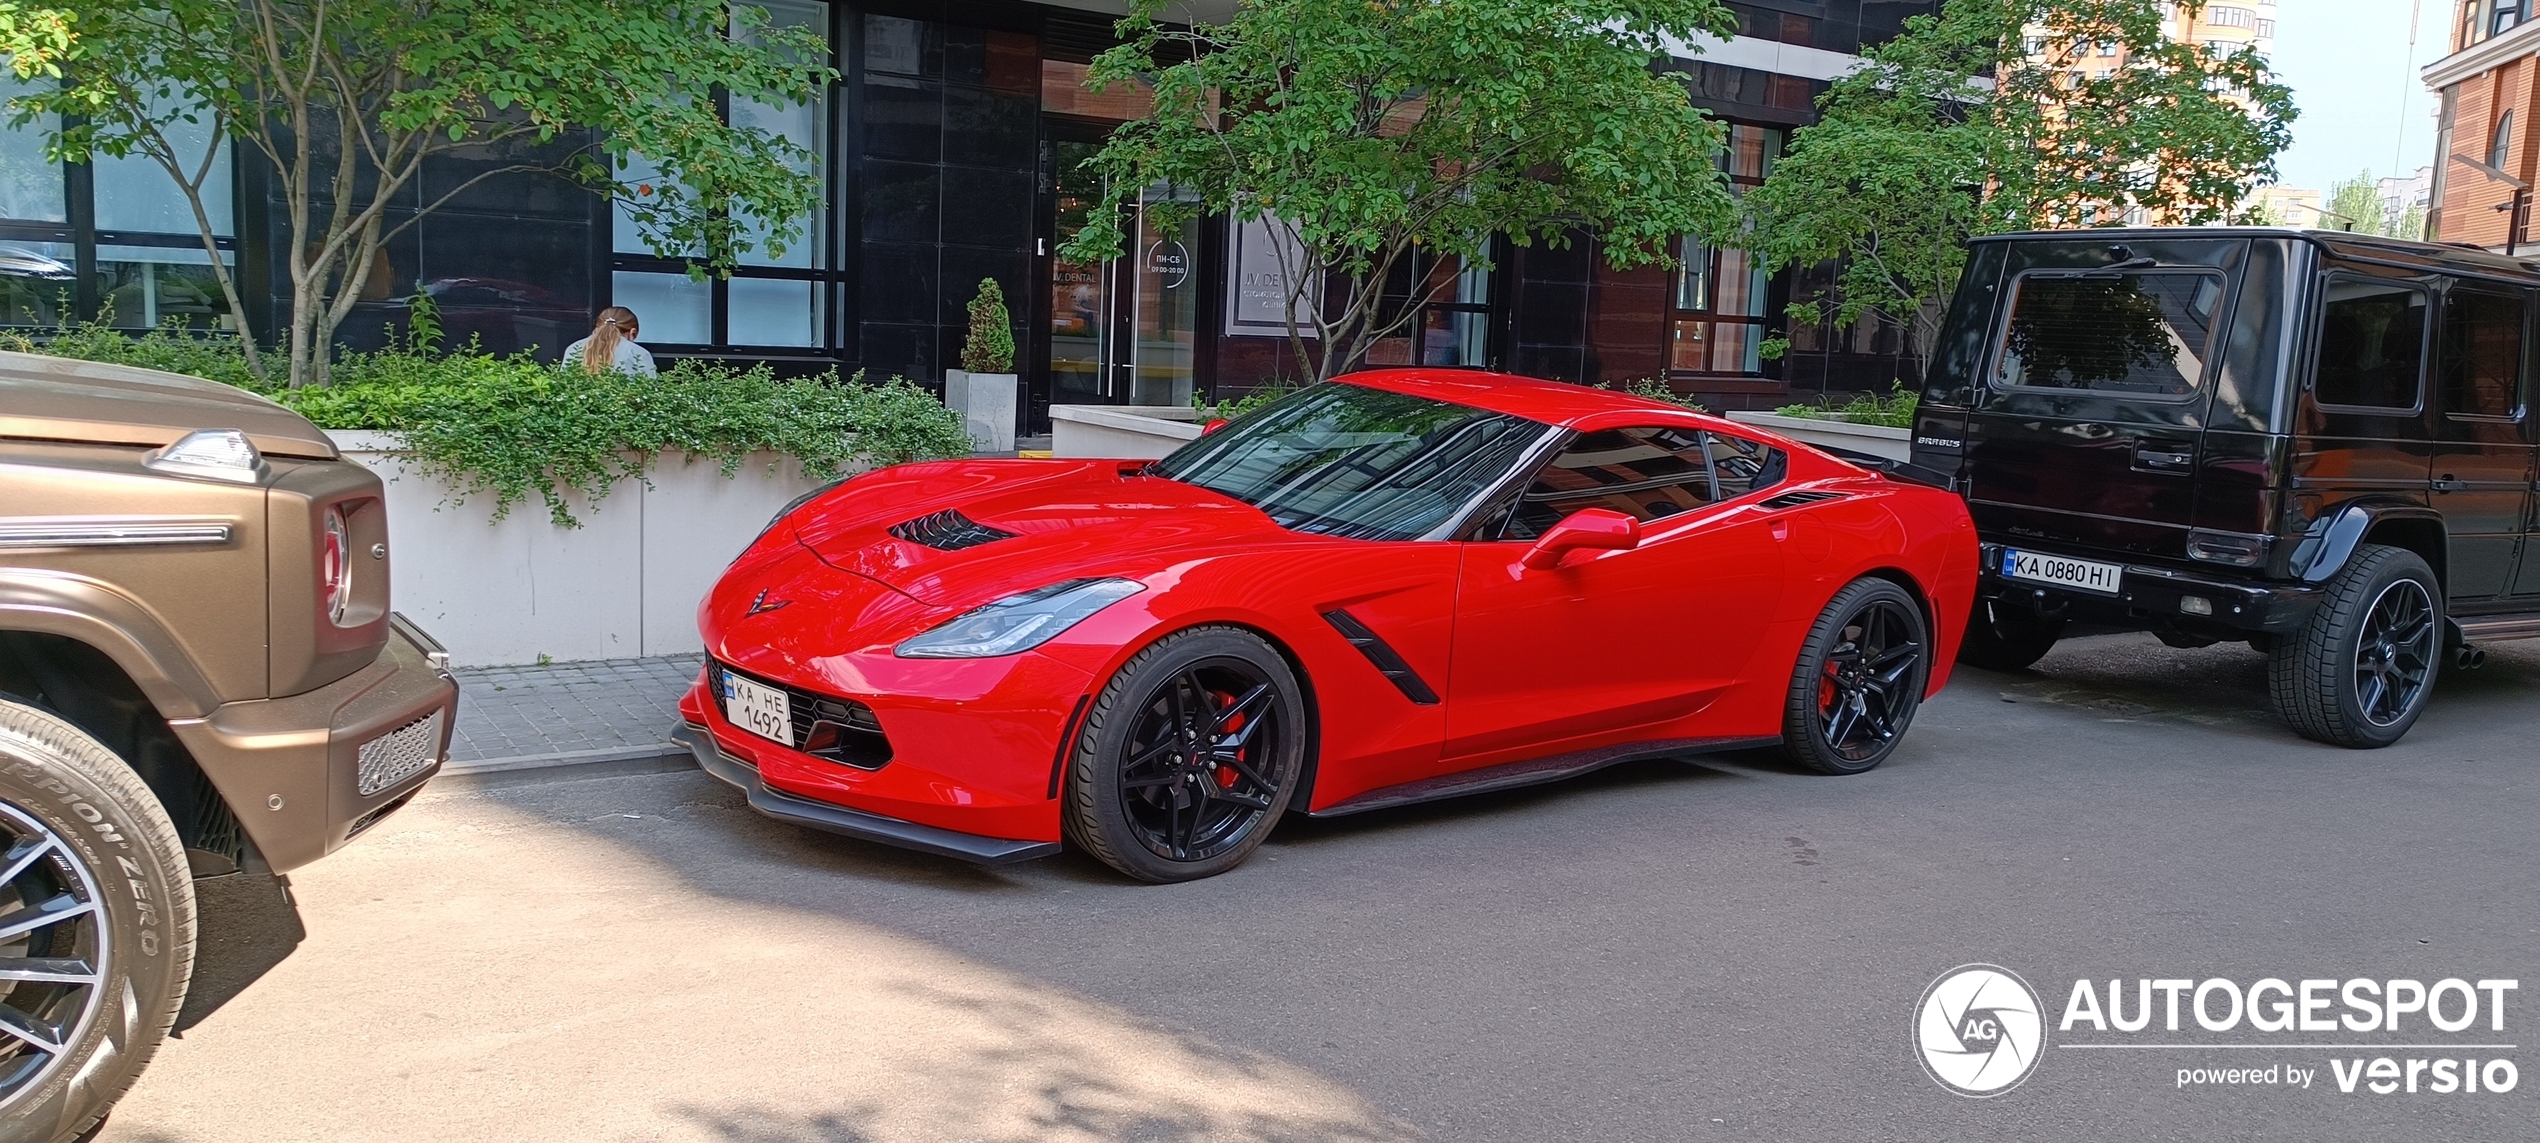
1387,661
948,531
1795,499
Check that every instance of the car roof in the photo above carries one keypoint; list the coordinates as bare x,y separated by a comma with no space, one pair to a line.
2433,255
1550,402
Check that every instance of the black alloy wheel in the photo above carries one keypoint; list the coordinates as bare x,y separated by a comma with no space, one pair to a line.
2395,658
1858,681
1187,757
2359,672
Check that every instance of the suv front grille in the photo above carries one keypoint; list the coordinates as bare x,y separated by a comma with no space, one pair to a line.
838,730
948,531
397,755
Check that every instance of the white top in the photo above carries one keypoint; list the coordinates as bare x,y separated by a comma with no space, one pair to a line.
630,357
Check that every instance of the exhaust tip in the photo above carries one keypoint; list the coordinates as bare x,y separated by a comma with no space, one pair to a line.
2468,658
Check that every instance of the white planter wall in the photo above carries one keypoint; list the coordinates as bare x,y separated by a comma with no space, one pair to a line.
1876,440
1129,432
626,583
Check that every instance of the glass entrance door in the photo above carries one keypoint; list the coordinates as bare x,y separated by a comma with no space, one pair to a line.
1157,344
1124,331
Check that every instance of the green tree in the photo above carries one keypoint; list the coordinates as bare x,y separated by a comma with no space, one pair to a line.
2355,204
347,100
2003,115
1376,128
37,39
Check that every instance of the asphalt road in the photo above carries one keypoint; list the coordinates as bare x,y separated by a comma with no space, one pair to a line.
1664,951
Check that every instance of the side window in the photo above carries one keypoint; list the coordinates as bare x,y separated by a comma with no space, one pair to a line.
1740,466
1643,473
2142,334
2372,346
2481,359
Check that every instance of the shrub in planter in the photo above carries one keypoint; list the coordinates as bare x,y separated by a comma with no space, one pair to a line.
982,390
512,427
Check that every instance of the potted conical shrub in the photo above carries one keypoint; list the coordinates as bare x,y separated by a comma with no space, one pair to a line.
983,389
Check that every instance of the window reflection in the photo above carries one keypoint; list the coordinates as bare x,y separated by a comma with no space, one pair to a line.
144,287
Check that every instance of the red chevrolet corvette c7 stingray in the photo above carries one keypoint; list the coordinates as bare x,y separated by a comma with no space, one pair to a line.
1391,587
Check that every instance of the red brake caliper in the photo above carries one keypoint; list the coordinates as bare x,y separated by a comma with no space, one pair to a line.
1226,775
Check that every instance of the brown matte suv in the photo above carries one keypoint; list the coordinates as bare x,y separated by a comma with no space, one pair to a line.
199,677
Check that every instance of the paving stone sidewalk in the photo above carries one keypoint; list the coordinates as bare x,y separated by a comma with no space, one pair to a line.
569,712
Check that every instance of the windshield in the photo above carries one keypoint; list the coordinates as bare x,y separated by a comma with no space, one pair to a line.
1341,460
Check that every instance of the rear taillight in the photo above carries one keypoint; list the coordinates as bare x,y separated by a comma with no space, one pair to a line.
335,568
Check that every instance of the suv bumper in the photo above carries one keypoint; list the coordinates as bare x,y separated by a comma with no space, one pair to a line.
2153,597
306,773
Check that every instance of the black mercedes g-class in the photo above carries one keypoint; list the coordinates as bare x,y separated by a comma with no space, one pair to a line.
2316,442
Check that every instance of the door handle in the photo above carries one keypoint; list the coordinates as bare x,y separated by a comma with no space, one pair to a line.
2449,483
2163,458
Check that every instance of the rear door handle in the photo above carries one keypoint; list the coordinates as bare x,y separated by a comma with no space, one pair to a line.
2449,483
2163,458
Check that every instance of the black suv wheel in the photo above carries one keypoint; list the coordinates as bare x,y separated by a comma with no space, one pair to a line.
2358,673
96,926
2004,637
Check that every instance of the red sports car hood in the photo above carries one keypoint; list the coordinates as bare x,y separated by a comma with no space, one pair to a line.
961,533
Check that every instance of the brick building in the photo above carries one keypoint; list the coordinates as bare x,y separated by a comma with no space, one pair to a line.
2485,127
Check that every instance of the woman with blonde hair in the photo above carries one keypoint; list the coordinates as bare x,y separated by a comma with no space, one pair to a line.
612,345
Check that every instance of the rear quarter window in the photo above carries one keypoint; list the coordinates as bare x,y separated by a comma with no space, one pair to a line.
2143,334
2371,346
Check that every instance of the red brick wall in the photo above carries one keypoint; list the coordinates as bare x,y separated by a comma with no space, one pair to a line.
2469,196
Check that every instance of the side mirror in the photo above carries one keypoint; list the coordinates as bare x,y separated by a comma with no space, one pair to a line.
1212,426
1597,529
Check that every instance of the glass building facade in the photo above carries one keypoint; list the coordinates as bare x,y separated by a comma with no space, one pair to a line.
950,152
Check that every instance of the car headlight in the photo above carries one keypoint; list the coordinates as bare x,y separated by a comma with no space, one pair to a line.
1018,622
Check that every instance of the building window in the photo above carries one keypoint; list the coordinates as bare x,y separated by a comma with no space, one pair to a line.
139,263
1453,326
2266,29
2037,45
769,301
2508,13
1715,313
2231,17
2501,146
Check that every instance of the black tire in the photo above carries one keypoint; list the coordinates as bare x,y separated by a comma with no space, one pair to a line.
2007,637
1859,679
1188,756
87,845
2358,674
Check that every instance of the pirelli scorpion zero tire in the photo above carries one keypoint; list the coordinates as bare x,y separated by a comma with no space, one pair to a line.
2357,675
96,927
1188,756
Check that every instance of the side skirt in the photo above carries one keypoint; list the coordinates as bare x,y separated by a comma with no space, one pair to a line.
1531,772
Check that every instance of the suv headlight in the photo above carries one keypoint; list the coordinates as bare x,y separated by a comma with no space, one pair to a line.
1018,622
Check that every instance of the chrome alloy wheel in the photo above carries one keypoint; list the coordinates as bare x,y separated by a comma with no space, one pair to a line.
2394,658
53,952
1201,768
1867,686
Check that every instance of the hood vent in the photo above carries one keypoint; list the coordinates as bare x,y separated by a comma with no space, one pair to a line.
1795,499
948,531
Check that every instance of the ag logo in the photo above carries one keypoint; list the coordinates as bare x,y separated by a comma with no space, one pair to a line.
1978,1030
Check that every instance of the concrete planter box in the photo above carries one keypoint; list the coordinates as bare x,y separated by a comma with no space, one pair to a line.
1129,432
625,583
986,404
1877,440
